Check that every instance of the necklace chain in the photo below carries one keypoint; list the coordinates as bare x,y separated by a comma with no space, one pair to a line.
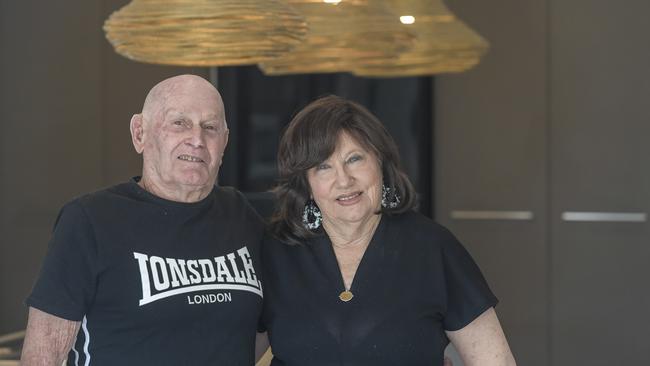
347,295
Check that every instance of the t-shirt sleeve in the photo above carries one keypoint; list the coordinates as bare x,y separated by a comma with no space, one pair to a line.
468,294
66,284
261,326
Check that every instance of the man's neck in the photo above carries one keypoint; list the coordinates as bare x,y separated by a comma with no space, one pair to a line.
186,194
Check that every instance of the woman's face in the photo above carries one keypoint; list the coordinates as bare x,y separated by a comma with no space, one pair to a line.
347,186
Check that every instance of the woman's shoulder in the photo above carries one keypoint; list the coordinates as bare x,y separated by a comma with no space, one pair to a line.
413,223
420,234
272,241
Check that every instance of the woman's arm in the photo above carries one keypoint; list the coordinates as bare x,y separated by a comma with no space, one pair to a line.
482,342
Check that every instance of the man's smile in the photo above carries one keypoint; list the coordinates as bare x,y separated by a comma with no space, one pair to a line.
191,158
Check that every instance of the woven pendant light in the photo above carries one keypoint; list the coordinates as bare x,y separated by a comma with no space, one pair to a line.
342,36
204,32
443,43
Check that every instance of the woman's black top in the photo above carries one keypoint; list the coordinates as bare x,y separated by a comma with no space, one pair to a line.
414,281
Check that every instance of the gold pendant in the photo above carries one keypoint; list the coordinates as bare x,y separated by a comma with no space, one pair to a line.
346,296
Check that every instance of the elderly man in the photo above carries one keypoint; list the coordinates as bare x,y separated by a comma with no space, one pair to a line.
161,270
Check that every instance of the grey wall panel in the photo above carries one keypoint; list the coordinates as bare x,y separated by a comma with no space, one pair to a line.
600,294
4,246
50,131
599,121
490,155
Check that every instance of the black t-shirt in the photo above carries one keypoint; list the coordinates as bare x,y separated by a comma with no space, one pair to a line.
414,281
155,282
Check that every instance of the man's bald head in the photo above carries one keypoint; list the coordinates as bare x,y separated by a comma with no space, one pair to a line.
159,96
181,134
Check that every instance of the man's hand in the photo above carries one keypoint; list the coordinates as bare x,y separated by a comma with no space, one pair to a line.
48,339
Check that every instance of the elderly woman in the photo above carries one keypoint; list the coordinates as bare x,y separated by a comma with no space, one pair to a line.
354,276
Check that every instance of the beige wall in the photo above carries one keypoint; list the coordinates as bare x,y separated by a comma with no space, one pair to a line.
65,103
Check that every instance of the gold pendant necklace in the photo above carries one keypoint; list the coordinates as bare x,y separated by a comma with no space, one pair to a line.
346,296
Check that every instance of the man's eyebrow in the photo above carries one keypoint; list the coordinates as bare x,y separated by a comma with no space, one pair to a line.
175,113
210,119
172,111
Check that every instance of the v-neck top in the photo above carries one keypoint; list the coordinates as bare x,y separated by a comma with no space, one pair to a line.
415,281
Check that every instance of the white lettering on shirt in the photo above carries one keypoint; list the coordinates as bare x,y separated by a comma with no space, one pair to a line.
193,275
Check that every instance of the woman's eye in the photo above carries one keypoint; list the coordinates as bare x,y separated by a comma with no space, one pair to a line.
355,158
178,123
322,166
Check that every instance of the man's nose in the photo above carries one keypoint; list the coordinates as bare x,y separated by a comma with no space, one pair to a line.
197,137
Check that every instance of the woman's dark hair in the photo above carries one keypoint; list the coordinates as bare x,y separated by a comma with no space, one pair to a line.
310,139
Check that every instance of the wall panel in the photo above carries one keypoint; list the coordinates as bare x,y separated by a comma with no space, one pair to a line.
599,156
490,154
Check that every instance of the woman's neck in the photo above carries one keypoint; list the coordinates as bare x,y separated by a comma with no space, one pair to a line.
348,235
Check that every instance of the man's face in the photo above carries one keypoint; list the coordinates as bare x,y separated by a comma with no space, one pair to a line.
184,139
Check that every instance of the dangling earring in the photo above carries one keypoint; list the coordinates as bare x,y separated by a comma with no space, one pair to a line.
311,216
389,199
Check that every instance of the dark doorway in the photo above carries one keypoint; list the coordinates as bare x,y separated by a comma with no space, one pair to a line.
258,107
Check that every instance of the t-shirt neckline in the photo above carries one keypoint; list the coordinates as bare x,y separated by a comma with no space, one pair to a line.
139,191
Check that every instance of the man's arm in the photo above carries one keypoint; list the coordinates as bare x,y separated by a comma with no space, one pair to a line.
48,339
482,342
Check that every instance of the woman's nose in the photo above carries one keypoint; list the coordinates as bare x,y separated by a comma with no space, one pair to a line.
343,177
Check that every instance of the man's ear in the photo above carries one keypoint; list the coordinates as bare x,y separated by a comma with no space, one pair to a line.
137,133
225,144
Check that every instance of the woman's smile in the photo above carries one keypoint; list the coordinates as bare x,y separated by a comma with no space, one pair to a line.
349,199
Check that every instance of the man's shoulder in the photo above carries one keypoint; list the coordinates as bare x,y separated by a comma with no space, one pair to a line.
121,189
237,206
231,197
100,198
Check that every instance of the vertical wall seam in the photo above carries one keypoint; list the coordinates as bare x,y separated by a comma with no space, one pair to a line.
549,182
103,92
